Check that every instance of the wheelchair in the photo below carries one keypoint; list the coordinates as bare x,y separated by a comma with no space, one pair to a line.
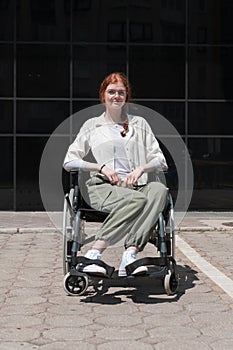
77,212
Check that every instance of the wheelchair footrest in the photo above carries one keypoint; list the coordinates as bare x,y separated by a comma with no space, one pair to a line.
82,262
163,271
157,261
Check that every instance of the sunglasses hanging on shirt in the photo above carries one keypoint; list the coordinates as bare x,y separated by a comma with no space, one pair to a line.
125,129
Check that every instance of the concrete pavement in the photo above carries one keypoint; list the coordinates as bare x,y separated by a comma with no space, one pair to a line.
134,314
22,222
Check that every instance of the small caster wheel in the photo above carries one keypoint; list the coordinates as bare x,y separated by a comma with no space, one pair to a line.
75,285
171,283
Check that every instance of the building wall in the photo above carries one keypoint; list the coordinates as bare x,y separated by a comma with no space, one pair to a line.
177,54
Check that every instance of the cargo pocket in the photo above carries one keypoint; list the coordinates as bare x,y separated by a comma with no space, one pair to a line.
98,192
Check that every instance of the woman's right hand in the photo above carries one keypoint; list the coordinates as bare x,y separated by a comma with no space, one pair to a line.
112,175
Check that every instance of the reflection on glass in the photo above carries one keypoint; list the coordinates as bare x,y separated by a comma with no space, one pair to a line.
40,116
213,167
174,112
157,21
210,22
210,72
212,160
157,72
210,118
43,70
91,65
97,21
45,20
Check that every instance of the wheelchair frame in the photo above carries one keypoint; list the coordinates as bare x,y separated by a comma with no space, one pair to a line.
76,212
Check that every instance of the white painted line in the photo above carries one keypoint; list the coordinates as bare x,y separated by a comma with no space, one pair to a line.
224,282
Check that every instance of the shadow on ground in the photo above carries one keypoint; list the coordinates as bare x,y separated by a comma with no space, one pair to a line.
145,290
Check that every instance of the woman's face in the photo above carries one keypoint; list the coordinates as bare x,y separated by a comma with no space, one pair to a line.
115,95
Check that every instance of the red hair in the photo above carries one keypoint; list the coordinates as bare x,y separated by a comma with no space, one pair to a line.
112,79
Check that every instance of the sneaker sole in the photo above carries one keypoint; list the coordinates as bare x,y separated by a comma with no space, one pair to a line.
95,270
141,270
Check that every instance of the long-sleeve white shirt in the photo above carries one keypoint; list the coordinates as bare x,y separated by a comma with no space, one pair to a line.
141,146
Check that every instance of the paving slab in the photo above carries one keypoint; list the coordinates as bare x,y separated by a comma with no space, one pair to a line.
36,313
45,222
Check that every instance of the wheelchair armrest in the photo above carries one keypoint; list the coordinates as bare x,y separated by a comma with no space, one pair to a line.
74,177
74,172
69,180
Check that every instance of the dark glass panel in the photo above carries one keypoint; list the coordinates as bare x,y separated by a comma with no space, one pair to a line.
99,20
157,21
6,19
210,72
157,72
79,105
210,118
213,168
92,64
31,165
43,20
40,116
6,173
29,152
174,112
43,70
6,116
210,21
211,149
6,70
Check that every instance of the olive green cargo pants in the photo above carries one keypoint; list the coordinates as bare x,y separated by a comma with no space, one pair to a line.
133,212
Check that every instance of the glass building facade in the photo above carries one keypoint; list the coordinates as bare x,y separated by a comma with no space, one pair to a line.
177,54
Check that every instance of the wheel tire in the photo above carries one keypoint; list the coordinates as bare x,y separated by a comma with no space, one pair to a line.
67,234
75,285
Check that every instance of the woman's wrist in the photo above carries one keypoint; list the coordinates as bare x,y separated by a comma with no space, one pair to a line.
101,167
142,169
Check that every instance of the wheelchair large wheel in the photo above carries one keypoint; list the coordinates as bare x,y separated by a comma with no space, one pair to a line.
75,285
170,230
67,233
72,231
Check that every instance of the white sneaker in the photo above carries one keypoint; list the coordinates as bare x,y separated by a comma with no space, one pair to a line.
94,269
128,257
93,254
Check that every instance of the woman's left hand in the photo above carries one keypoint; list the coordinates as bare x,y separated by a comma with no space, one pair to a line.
132,178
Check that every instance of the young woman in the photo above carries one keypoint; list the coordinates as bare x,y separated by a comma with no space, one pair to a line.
125,150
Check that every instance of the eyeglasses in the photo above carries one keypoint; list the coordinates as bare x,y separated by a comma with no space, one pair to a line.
112,92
